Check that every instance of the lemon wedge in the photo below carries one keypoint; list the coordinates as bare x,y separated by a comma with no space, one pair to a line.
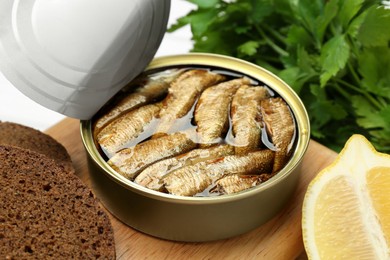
346,209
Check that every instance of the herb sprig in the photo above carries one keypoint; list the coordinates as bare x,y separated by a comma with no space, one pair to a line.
335,54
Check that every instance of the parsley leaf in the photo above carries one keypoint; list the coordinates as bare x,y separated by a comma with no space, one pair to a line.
204,3
375,30
249,48
334,56
374,64
348,9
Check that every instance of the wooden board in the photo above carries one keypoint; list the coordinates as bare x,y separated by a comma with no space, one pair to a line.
279,238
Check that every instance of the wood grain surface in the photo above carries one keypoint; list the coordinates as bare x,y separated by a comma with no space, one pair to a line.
279,238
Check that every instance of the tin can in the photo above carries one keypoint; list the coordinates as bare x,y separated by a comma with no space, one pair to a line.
195,219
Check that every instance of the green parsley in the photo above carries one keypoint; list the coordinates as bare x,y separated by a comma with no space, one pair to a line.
335,54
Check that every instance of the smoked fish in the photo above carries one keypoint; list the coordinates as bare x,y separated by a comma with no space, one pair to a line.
153,88
182,94
246,118
126,128
131,161
235,183
212,111
257,162
188,181
280,127
193,179
151,176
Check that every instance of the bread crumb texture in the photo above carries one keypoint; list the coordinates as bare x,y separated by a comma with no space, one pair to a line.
47,213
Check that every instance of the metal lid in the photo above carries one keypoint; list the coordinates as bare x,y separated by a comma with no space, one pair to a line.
72,56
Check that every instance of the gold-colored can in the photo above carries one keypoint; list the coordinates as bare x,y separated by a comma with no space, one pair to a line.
195,219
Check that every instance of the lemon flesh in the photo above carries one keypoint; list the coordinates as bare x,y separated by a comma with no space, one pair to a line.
346,210
378,182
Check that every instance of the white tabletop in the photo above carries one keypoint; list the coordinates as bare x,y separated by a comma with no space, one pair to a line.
15,107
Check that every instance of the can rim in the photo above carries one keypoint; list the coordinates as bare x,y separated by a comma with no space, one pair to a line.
223,62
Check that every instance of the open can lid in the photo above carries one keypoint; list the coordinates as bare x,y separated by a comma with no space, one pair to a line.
72,56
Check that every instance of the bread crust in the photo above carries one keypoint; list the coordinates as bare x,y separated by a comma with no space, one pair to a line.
13,134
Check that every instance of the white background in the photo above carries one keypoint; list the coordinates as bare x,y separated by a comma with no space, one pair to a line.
15,107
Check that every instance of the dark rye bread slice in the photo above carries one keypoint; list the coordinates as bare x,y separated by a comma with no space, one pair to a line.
47,213
26,137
